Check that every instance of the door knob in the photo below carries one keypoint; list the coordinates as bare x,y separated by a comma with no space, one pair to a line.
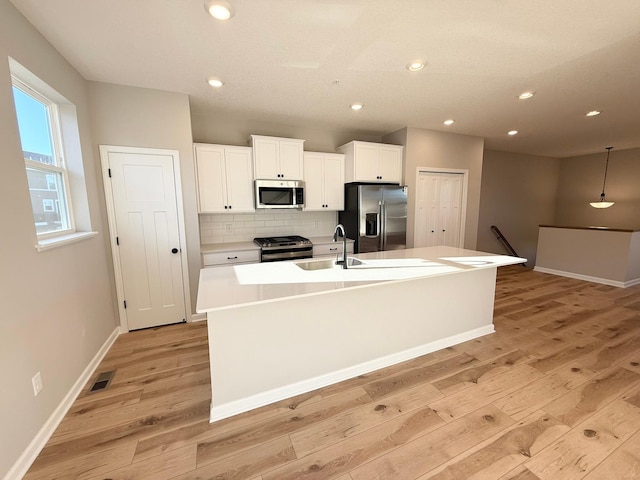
174,250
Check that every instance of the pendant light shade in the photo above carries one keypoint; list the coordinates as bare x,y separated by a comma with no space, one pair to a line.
603,203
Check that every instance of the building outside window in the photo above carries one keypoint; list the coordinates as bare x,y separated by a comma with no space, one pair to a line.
39,126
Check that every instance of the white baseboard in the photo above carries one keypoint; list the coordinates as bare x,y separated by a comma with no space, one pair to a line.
198,317
20,467
588,278
229,409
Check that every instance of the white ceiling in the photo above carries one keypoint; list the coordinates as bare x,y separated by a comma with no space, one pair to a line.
305,61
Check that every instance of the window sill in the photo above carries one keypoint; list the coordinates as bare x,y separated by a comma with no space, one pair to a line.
55,242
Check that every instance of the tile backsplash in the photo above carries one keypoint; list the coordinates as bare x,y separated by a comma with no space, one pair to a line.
242,227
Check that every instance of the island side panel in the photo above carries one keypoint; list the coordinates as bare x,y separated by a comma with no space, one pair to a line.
266,352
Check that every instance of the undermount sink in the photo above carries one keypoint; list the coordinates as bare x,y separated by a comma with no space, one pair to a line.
325,264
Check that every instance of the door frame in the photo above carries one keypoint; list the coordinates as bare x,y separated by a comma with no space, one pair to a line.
463,207
111,218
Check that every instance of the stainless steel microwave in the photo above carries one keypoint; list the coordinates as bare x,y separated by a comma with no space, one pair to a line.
279,194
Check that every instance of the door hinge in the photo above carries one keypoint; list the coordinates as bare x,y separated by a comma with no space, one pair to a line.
125,304
117,240
109,172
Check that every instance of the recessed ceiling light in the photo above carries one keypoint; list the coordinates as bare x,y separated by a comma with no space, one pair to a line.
525,95
415,66
219,9
215,82
593,113
356,106
512,132
449,122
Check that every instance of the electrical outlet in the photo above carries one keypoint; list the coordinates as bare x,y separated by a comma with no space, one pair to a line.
227,228
37,384
315,224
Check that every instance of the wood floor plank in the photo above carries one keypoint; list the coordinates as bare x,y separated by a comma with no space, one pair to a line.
541,392
622,464
411,377
520,473
564,355
591,396
340,458
505,451
164,467
222,445
588,444
246,465
483,393
360,419
429,451
86,466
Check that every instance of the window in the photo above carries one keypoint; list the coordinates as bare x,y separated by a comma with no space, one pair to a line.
39,126
52,155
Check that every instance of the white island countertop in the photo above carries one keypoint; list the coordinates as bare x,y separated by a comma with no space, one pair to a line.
232,286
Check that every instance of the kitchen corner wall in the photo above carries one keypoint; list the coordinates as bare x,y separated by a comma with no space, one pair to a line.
243,227
518,194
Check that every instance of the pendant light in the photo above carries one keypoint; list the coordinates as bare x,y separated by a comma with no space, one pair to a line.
602,203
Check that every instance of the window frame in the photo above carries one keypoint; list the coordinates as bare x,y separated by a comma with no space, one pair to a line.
59,168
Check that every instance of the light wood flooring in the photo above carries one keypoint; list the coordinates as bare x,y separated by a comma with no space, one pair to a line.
554,394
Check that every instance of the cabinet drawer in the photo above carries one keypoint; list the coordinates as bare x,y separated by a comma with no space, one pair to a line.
331,249
230,258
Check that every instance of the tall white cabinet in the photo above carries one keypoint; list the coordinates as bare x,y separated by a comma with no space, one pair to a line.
438,209
324,181
277,158
372,162
225,178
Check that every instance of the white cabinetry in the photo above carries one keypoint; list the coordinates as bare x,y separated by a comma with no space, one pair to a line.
331,249
277,158
225,178
372,162
439,209
323,181
231,257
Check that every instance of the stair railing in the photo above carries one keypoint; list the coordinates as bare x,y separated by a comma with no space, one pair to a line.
505,242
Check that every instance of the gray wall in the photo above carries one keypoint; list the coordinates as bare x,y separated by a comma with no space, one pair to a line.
429,148
141,117
518,194
57,307
581,182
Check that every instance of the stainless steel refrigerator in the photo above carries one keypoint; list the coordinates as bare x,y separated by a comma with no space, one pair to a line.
375,216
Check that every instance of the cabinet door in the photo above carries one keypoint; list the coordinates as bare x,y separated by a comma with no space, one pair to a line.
390,167
210,169
265,154
333,181
366,158
239,171
291,163
313,181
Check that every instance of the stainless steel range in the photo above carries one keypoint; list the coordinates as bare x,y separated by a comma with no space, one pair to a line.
273,249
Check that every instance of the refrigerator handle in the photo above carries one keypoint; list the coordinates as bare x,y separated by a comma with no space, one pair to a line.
382,227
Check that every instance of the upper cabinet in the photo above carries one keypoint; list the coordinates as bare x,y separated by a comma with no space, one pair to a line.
225,178
372,162
277,158
323,181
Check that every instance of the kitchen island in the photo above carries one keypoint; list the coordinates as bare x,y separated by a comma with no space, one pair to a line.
277,330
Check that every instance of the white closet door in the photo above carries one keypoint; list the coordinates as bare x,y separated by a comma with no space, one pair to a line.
438,209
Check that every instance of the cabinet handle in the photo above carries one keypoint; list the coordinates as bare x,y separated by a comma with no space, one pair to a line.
229,207
225,207
232,258
333,249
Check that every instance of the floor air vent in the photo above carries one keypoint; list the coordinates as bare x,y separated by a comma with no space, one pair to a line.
103,381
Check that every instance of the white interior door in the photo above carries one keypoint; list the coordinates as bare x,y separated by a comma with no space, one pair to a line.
147,235
439,205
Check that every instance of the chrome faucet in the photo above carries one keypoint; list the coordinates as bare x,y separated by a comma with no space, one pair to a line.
339,228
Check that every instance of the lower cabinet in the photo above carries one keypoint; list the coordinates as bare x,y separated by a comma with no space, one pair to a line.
220,259
331,249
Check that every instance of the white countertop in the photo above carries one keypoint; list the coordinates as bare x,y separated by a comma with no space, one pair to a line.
231,286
